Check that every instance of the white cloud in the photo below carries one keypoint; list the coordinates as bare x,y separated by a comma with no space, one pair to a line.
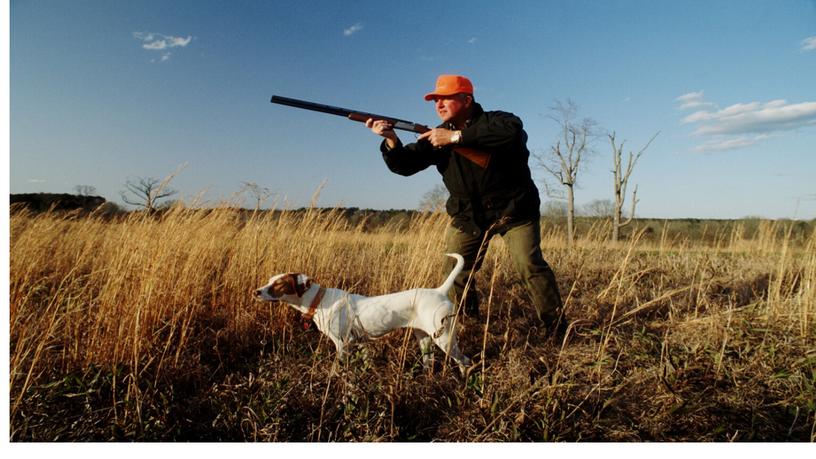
754,117
734,143
352,30
473,40
35,180
744,124
809,44
153,41
693,100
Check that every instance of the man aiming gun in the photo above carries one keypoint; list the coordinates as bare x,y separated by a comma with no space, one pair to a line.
495,197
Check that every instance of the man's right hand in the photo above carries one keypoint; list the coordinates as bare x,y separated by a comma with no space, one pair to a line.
383,129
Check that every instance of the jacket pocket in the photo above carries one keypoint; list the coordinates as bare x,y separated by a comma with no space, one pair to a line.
454,206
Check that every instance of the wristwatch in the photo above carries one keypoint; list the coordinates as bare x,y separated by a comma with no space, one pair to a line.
456,137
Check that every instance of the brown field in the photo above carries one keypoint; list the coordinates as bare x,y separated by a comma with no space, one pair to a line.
145,328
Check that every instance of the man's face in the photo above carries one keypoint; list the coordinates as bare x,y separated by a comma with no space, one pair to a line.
453,109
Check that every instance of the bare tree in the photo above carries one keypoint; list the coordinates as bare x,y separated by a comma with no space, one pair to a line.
565,157
434,199
146,192
599,208
259,193
622,181
554,209
85,190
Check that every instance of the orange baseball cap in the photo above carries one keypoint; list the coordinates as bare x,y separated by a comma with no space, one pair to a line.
448,85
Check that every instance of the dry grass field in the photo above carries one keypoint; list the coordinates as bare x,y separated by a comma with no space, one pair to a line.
145,328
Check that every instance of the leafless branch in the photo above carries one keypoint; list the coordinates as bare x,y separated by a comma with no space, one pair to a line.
568,154
147,192
621,182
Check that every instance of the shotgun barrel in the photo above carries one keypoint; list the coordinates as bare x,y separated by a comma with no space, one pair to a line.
354,115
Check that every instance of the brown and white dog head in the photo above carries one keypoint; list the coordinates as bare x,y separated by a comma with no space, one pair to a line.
288,287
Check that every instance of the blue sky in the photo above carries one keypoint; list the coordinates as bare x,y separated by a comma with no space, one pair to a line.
106,91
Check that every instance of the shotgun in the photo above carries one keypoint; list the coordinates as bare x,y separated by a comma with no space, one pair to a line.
480,158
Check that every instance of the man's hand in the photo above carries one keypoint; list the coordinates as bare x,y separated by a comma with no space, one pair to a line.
385,129
438,137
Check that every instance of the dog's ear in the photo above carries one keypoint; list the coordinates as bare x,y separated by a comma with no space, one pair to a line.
302,284
285,285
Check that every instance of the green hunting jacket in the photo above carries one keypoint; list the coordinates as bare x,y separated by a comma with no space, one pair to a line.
479,197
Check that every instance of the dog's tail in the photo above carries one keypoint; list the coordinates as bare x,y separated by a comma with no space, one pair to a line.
460,263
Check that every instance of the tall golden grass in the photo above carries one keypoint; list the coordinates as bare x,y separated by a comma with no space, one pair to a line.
145,328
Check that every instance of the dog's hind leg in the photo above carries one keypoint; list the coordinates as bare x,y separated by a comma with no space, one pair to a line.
445,338
425,348
447,342
340,348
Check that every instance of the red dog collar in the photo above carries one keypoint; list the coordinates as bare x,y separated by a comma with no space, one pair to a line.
307,318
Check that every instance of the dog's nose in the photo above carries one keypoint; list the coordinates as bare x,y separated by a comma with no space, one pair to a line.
259,292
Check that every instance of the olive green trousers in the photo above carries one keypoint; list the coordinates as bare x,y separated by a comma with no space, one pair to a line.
523,241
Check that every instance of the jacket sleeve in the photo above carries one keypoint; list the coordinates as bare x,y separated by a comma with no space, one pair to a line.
495,131
408,159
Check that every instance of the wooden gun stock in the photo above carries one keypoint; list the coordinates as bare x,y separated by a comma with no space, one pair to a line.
480,158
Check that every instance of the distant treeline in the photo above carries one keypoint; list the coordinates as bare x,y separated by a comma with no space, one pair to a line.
64,202
705,230
42,202
711,231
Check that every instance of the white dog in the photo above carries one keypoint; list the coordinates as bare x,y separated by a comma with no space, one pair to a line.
346,317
